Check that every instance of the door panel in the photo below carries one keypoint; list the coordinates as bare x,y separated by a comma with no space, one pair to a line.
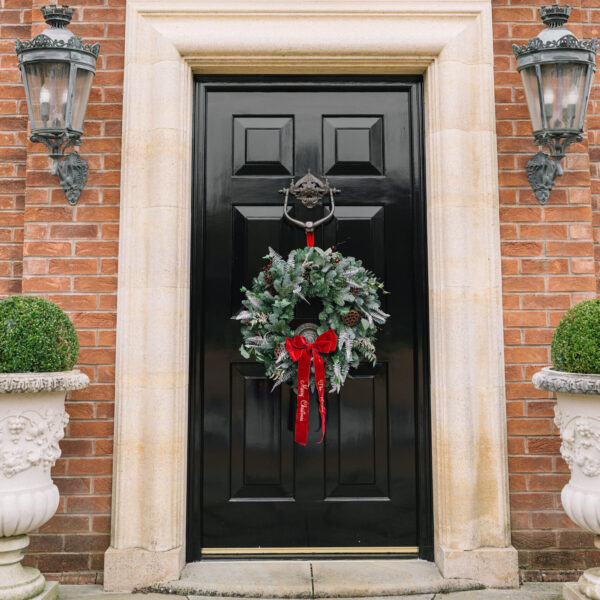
263,145
360,232
262,457
250,485
356,453
353,146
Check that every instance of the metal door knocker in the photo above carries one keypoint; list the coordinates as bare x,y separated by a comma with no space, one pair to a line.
310,191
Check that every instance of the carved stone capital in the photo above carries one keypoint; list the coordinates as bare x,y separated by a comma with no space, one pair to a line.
567,383
27,383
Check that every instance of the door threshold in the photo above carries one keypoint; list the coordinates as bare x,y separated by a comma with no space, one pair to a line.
329,551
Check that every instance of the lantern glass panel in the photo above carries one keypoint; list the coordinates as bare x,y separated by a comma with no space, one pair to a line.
48,85
563,87
83,85
532,93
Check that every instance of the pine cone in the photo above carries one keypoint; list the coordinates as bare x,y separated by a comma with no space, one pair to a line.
279,349
352,318
306,275
355,291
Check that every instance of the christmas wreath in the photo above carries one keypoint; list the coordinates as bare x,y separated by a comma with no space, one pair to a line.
350,319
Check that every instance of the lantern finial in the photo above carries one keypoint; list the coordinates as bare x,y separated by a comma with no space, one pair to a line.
555,16
57,16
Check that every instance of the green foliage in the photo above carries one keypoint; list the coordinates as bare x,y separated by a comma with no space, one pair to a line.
342,284
576,341
36,336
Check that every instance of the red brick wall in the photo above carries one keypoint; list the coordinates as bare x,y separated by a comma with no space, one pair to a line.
69,255
548,265
15,21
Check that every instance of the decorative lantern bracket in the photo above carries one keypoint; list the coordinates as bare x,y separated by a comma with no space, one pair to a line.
72,172
310,190
543,169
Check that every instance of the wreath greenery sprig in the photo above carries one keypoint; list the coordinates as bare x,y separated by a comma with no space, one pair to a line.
351,307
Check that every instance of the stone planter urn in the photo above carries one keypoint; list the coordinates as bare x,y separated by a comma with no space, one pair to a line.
32,421
38,349
575,378
577,415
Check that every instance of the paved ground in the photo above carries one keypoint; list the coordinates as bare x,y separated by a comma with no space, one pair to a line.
529,591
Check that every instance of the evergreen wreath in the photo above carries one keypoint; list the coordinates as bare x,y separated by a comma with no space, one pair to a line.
351,307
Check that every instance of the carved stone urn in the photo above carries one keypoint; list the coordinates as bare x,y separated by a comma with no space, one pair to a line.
32,421
577,415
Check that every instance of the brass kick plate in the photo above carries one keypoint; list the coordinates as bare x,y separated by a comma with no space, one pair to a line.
328,550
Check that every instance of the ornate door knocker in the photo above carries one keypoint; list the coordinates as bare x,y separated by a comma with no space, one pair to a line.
310,190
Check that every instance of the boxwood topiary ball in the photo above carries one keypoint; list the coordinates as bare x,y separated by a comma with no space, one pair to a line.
576,341
36,336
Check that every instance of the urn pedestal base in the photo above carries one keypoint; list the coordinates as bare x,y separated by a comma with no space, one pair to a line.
50,591
587,588
571,592
16,581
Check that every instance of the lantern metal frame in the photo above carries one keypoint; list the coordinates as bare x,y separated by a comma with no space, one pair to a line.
54,46
543,169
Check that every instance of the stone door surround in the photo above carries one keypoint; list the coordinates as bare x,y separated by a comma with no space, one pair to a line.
450,42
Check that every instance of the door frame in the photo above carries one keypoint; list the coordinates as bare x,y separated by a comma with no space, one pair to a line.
451,43
204,84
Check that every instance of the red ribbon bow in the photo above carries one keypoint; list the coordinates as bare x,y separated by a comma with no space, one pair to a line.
300,350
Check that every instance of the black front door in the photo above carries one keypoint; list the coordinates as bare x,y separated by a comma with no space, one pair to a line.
367,485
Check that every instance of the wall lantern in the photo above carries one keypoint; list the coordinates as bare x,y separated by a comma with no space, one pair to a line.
57,70
557,71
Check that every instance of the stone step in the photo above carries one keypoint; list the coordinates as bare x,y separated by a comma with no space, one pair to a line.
529,591
284,579
409,597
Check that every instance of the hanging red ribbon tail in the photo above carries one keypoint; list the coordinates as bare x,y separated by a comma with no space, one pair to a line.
302,351
310,239
320,379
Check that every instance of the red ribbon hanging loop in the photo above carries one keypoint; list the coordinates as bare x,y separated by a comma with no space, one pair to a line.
300,350
310,239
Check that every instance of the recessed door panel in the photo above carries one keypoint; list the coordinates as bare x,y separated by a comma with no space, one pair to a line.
356,455
254,229
262,456
360,232
353,145
263,145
